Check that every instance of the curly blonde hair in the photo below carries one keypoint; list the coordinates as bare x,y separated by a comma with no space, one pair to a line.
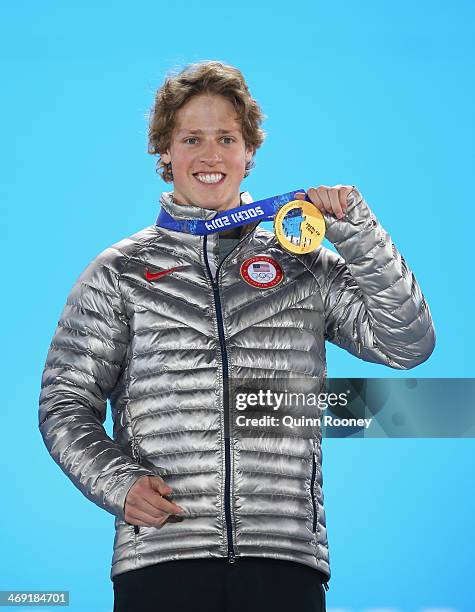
207,77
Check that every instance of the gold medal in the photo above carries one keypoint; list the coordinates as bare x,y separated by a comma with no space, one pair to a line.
299,226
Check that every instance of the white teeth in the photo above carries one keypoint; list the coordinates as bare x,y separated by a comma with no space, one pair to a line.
209,178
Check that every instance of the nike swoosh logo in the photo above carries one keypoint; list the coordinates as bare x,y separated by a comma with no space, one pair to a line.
150,276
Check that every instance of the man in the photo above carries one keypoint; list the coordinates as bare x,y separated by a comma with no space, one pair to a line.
163,321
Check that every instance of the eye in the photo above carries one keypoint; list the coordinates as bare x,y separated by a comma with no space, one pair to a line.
228,139
190,138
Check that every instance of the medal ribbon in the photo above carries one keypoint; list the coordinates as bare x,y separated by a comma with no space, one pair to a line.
262,210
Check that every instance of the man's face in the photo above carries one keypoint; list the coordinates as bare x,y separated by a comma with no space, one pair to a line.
208,153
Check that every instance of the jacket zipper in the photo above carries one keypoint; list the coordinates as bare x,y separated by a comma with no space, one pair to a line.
227,441
226,408
312,485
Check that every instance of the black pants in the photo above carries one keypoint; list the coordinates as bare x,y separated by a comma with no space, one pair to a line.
214,585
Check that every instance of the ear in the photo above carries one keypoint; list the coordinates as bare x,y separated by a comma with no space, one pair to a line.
249,154
165,157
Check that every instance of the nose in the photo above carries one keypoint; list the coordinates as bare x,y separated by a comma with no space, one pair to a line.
210,153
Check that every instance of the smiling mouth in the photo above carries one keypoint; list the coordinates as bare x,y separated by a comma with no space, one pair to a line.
209,178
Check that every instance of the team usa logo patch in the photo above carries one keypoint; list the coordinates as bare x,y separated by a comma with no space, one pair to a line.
261,272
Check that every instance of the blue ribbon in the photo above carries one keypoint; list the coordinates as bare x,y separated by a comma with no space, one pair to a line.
262,210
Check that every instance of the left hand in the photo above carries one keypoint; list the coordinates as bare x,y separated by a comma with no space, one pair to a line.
330,200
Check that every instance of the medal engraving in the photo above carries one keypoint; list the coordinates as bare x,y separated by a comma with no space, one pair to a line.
299,227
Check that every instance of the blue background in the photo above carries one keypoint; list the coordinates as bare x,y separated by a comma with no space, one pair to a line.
372,93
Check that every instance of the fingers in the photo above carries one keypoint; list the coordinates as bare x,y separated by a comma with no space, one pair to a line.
330,200
144,502
334,198
314,196
146,516
155,504
158,484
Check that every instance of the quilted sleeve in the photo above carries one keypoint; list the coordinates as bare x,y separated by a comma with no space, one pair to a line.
374,307
82,367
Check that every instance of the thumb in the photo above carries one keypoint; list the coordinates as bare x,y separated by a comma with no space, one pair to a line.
158,484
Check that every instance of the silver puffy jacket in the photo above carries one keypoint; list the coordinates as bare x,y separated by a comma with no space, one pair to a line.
164,352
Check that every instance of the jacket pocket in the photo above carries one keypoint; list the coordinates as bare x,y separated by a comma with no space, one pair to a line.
312,492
